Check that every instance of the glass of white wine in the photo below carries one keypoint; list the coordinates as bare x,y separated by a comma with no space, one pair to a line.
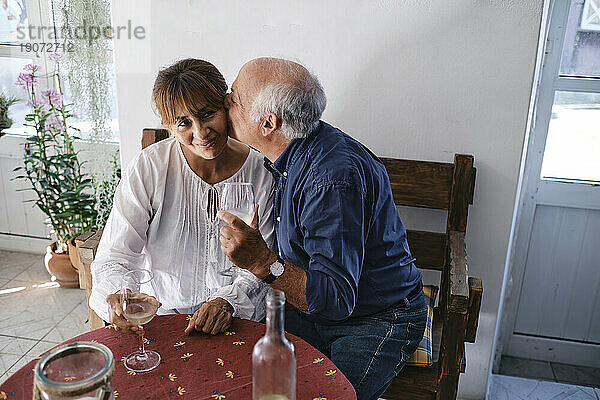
139,309
237,198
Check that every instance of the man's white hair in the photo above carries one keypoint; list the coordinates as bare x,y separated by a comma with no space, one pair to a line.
298,101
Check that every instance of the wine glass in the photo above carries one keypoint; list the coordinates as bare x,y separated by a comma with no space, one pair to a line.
238,199
139,309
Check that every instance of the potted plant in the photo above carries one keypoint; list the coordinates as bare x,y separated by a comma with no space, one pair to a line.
104,192
62,190
5,103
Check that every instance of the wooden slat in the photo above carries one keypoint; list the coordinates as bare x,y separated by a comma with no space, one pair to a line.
459,287
84,236
419,379
451,355
412,384
472,188
77,260
153,135
87,252
429,248
420,183
463,360
436,335
475,294
462,189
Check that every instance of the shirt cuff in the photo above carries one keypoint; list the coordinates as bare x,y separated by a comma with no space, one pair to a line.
242,306
106,279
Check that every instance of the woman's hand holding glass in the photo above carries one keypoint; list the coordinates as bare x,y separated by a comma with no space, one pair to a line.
115,309
138,308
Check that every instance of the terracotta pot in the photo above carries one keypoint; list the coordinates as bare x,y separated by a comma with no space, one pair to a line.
73,252
59,266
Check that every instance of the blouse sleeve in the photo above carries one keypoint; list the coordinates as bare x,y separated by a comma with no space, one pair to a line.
124,236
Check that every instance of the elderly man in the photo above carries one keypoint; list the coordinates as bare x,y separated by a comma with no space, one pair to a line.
343,261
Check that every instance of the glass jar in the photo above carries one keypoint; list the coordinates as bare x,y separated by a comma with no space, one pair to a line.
78,370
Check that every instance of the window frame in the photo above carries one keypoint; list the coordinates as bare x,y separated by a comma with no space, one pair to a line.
585,26
39,13
551,82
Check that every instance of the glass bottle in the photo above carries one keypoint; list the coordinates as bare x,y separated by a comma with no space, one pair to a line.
274,357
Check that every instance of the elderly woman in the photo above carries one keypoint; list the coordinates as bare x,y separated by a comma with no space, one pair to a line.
163,216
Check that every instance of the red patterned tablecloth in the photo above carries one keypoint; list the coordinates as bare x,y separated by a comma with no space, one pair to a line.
198,366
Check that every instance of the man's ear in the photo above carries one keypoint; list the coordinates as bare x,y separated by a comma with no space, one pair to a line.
269,124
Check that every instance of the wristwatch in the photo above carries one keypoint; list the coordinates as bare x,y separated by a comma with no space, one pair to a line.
277,269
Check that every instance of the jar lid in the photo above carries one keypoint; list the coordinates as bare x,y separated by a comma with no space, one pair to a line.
74,369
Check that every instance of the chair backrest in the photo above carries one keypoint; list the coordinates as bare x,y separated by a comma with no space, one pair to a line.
434,185
153,135
443,186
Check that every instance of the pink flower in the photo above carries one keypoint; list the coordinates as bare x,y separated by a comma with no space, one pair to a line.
25,80
55,56
32,68
28,78
53,124
51,98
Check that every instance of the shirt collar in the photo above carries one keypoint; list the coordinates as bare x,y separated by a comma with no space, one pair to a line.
269,166
295,149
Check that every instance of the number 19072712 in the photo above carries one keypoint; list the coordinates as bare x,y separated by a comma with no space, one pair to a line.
39,48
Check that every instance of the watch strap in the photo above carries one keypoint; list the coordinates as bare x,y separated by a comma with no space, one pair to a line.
269,278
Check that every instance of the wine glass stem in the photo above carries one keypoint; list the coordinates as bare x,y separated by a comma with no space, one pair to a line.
142,346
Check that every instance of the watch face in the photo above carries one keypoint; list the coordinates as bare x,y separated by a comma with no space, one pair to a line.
277,268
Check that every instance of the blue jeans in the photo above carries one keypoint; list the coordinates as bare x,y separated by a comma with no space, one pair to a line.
370,351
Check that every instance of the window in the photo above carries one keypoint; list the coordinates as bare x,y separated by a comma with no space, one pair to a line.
10,67
590,18
13,21
573,141
17,19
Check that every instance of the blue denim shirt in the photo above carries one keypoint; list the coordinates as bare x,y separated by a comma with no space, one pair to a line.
336,218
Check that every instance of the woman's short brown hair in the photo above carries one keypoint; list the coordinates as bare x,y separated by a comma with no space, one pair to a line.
188,85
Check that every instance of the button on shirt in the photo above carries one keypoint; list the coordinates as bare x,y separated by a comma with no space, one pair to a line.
336,218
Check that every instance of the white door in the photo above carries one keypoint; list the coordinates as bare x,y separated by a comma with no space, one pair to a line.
555,310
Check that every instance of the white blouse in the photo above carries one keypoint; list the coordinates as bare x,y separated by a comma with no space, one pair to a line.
160,222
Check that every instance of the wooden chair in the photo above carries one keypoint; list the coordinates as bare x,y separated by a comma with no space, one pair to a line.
444,186
450,187
87,243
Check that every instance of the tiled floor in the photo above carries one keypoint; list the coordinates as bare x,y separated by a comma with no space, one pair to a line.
550,371
504,387
35,313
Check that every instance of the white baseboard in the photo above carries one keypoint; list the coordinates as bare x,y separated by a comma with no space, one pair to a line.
23,244
561,351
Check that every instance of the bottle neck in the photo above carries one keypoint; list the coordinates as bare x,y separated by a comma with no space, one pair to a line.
275,321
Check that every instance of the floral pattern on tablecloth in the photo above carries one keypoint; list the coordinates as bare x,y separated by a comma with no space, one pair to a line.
198,366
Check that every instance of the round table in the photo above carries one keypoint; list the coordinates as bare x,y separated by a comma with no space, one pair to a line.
198,366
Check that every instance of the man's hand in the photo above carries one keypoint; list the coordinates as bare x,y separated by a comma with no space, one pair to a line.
244,245
115,306
213,317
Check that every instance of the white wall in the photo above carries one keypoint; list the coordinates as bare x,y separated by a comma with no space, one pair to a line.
410,79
